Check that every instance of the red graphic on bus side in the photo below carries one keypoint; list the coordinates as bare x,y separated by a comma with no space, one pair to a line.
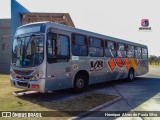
112,64
127,63
119,62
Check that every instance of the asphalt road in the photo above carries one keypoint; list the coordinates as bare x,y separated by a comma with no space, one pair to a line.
142,94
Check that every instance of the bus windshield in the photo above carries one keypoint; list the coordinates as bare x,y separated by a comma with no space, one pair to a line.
28,51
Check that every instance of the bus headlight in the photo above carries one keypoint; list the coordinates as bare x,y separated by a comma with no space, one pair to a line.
37,76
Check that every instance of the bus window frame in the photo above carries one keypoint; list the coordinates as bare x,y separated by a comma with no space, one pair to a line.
125,50
106,47
58,57
86,40
102,45
138,52
128,50
142,52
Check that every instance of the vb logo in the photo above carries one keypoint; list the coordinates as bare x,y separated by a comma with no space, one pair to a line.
96,65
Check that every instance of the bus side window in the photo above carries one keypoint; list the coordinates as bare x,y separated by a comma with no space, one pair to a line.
121,51
62,46
110,49
144,53
57,48
51,39
79,45
137,52
130,51
96,47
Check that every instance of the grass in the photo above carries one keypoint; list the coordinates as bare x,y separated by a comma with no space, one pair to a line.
81,103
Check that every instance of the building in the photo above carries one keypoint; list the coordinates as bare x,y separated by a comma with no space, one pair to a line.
5,45
62,18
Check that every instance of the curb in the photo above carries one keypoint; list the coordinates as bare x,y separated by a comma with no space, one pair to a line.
95,109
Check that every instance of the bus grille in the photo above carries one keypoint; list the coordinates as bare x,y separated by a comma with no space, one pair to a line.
24,73
24,84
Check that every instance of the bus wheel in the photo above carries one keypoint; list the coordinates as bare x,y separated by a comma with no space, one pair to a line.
80,83
130,75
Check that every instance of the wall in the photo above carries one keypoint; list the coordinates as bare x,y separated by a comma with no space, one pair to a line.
5,54
16,8
8,27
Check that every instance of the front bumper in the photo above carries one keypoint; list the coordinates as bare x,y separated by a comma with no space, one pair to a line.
28,84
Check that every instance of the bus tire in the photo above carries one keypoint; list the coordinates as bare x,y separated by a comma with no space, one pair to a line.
80,83
131,75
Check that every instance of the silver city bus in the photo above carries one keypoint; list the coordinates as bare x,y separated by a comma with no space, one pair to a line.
47,56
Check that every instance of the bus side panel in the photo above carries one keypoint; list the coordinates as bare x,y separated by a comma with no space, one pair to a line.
142,67
111,69
97,69
117,68
58,76
78,64
105,69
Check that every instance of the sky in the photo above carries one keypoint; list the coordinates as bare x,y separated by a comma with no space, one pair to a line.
120,19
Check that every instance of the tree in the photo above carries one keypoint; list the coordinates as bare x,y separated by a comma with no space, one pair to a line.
154,59
158,59
151,58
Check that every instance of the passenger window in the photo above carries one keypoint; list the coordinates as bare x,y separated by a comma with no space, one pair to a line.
79,45
110,49
138,52
51,38
121,52
130,51
95,47
57,48
62,46
144,53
